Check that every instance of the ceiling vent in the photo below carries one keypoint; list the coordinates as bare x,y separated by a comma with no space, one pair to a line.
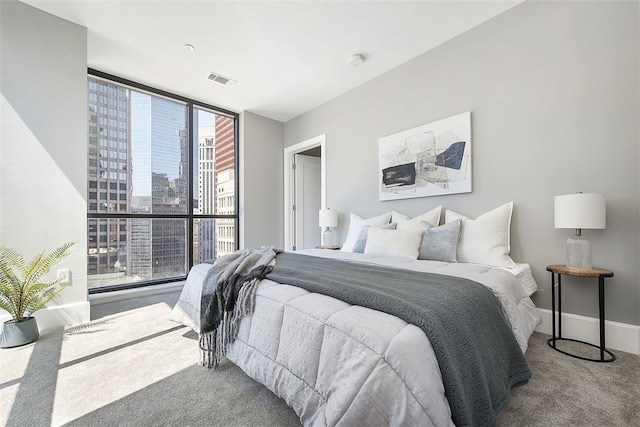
221,79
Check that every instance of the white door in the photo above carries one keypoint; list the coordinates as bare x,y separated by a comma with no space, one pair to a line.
306,178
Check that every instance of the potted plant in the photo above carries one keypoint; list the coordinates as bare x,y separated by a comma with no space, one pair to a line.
22,292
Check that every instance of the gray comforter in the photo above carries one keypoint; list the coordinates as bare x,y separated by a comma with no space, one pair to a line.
478,355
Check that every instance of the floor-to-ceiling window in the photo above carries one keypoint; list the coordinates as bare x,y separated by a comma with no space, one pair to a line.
162,184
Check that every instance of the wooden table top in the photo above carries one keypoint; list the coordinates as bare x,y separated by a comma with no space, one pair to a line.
580,272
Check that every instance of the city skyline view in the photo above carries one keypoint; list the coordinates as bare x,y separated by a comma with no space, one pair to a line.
139,167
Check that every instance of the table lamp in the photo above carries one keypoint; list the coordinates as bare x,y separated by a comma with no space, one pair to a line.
327,218
578,211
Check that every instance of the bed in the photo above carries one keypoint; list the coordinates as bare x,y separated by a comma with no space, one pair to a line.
339,363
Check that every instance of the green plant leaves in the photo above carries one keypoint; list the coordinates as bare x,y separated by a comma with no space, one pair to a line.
21,292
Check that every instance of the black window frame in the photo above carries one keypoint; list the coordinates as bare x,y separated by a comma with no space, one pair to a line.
189,216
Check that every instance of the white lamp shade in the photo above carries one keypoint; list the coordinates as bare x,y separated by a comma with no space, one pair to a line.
580,210
327,218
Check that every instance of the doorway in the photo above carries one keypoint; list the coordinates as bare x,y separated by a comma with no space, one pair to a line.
304,193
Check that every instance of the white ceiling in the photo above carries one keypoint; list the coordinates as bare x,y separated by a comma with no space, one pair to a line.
288,56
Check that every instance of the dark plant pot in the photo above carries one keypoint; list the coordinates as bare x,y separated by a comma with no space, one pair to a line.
15,334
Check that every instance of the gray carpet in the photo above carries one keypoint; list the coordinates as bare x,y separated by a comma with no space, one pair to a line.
131,366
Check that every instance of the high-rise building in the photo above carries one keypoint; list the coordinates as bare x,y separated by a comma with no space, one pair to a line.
206,192
225,185
168,189
109,174
167,235
206,170
225,227
225,143
216,188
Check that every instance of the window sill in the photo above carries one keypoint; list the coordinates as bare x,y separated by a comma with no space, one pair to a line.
106,297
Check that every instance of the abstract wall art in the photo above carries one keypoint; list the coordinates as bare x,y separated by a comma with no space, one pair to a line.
428,160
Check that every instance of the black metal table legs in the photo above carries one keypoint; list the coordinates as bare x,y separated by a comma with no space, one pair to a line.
554,338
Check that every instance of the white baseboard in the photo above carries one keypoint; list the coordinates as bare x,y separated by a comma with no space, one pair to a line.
618,336
59,316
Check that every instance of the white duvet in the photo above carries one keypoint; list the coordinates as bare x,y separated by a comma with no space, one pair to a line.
338,364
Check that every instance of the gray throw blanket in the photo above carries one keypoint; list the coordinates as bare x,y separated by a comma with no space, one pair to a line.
228,294
479,357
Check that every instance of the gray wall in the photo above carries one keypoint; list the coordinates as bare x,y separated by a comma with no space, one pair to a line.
261,184
553,88
43,146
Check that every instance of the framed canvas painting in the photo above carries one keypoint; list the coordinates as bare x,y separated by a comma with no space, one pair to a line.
429,160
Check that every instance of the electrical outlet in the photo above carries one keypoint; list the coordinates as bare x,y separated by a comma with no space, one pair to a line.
64,276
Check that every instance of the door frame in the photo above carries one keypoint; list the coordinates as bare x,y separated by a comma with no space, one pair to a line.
289,152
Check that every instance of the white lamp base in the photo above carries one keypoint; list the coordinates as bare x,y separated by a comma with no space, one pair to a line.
579,252
327,237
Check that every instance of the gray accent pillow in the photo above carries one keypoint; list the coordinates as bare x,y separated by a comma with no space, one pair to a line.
440,243
361,240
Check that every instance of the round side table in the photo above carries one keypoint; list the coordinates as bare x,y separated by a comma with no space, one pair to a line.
600,274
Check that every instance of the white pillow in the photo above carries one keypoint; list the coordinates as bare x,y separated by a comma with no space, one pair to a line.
397,243
361,240
404,222
356,223
486,239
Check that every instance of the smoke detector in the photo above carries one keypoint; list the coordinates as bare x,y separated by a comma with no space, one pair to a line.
356,60
218,78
